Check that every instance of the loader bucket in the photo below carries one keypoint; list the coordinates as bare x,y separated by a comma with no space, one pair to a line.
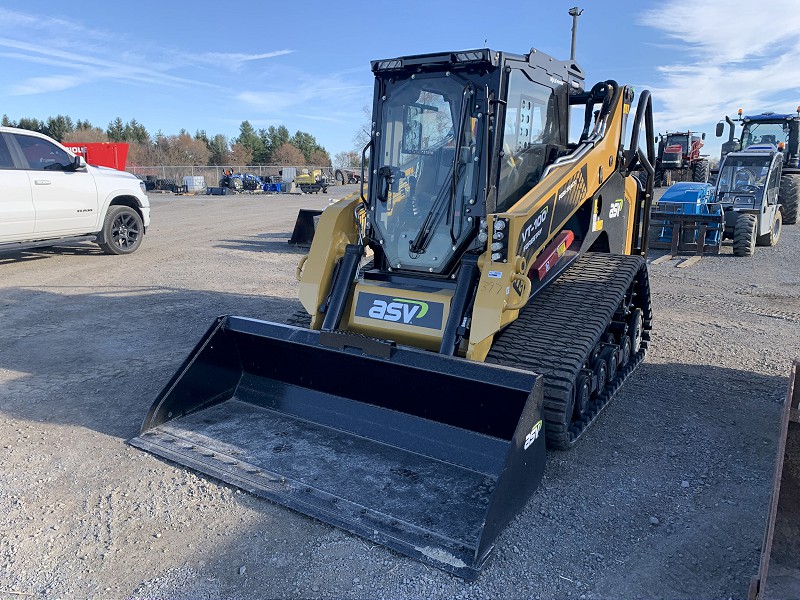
427,454
304,227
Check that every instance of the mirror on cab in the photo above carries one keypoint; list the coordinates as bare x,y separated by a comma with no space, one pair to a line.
77,163
720,129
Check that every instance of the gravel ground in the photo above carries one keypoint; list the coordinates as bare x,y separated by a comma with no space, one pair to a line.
666,496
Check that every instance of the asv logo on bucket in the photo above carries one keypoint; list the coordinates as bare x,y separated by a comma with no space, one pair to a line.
398,309
533,435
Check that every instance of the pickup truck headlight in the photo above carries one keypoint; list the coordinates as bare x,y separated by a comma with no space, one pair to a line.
142,185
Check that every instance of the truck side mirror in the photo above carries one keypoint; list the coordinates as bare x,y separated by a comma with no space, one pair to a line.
703,136
720,129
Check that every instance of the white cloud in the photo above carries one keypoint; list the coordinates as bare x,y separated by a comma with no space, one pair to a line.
234,61
319,95
39,85
83,53
738,55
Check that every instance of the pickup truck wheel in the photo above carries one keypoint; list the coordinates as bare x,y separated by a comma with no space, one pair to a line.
122,231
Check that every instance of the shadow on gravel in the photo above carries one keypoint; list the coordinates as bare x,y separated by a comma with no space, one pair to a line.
98,359
79,249
274,243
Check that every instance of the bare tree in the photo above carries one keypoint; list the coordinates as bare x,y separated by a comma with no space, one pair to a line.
85,135
241,155
364,133
288,155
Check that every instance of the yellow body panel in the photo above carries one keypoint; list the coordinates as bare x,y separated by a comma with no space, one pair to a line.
495,290
392,318
336,228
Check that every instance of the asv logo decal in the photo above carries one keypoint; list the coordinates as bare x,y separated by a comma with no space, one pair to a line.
399,308
533,435
616,209
403,311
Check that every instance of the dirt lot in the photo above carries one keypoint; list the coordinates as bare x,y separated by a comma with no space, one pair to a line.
666,495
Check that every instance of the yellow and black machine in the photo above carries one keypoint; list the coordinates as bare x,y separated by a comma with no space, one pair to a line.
484,297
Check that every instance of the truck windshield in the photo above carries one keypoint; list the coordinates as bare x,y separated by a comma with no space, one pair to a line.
424,176
743,175
765,133
678,140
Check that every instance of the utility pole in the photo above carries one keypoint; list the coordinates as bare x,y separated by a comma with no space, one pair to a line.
574,12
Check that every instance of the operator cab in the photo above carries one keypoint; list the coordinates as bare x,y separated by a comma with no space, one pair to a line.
456,136
746,177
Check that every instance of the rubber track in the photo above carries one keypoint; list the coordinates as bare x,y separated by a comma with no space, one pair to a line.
557,330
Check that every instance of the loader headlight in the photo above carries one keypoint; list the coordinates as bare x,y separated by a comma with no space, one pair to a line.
472,56
386,65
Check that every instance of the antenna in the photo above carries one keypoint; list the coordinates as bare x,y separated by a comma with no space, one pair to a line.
574,12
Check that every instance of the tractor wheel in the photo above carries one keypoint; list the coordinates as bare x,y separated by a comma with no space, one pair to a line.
744,235
789,197
774,234
659,178
700,171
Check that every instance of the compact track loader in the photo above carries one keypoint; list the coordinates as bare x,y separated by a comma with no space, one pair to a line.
505,302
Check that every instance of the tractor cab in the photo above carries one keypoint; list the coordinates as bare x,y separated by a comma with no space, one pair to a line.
769,128
748,178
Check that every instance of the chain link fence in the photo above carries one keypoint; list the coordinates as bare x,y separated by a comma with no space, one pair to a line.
212,174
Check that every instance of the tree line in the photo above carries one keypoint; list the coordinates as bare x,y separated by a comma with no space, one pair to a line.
270,146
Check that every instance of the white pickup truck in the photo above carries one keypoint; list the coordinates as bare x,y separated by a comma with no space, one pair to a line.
49,195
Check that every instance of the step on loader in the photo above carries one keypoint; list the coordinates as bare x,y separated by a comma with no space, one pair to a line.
505,302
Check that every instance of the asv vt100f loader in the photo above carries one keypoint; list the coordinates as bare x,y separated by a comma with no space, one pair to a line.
506,301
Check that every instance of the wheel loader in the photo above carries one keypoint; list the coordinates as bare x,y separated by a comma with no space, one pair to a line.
483,297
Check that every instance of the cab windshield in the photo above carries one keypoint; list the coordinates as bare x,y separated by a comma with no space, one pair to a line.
765,133
425,177
743,175
678,140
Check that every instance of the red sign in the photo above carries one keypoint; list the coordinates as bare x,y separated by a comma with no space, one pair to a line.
102,154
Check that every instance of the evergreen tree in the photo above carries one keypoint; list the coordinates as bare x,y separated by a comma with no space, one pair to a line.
59,127
116,130
250,140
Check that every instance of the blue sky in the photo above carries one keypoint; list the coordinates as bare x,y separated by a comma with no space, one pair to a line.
305,65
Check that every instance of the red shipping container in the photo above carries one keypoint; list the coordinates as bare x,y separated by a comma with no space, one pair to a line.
102,154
